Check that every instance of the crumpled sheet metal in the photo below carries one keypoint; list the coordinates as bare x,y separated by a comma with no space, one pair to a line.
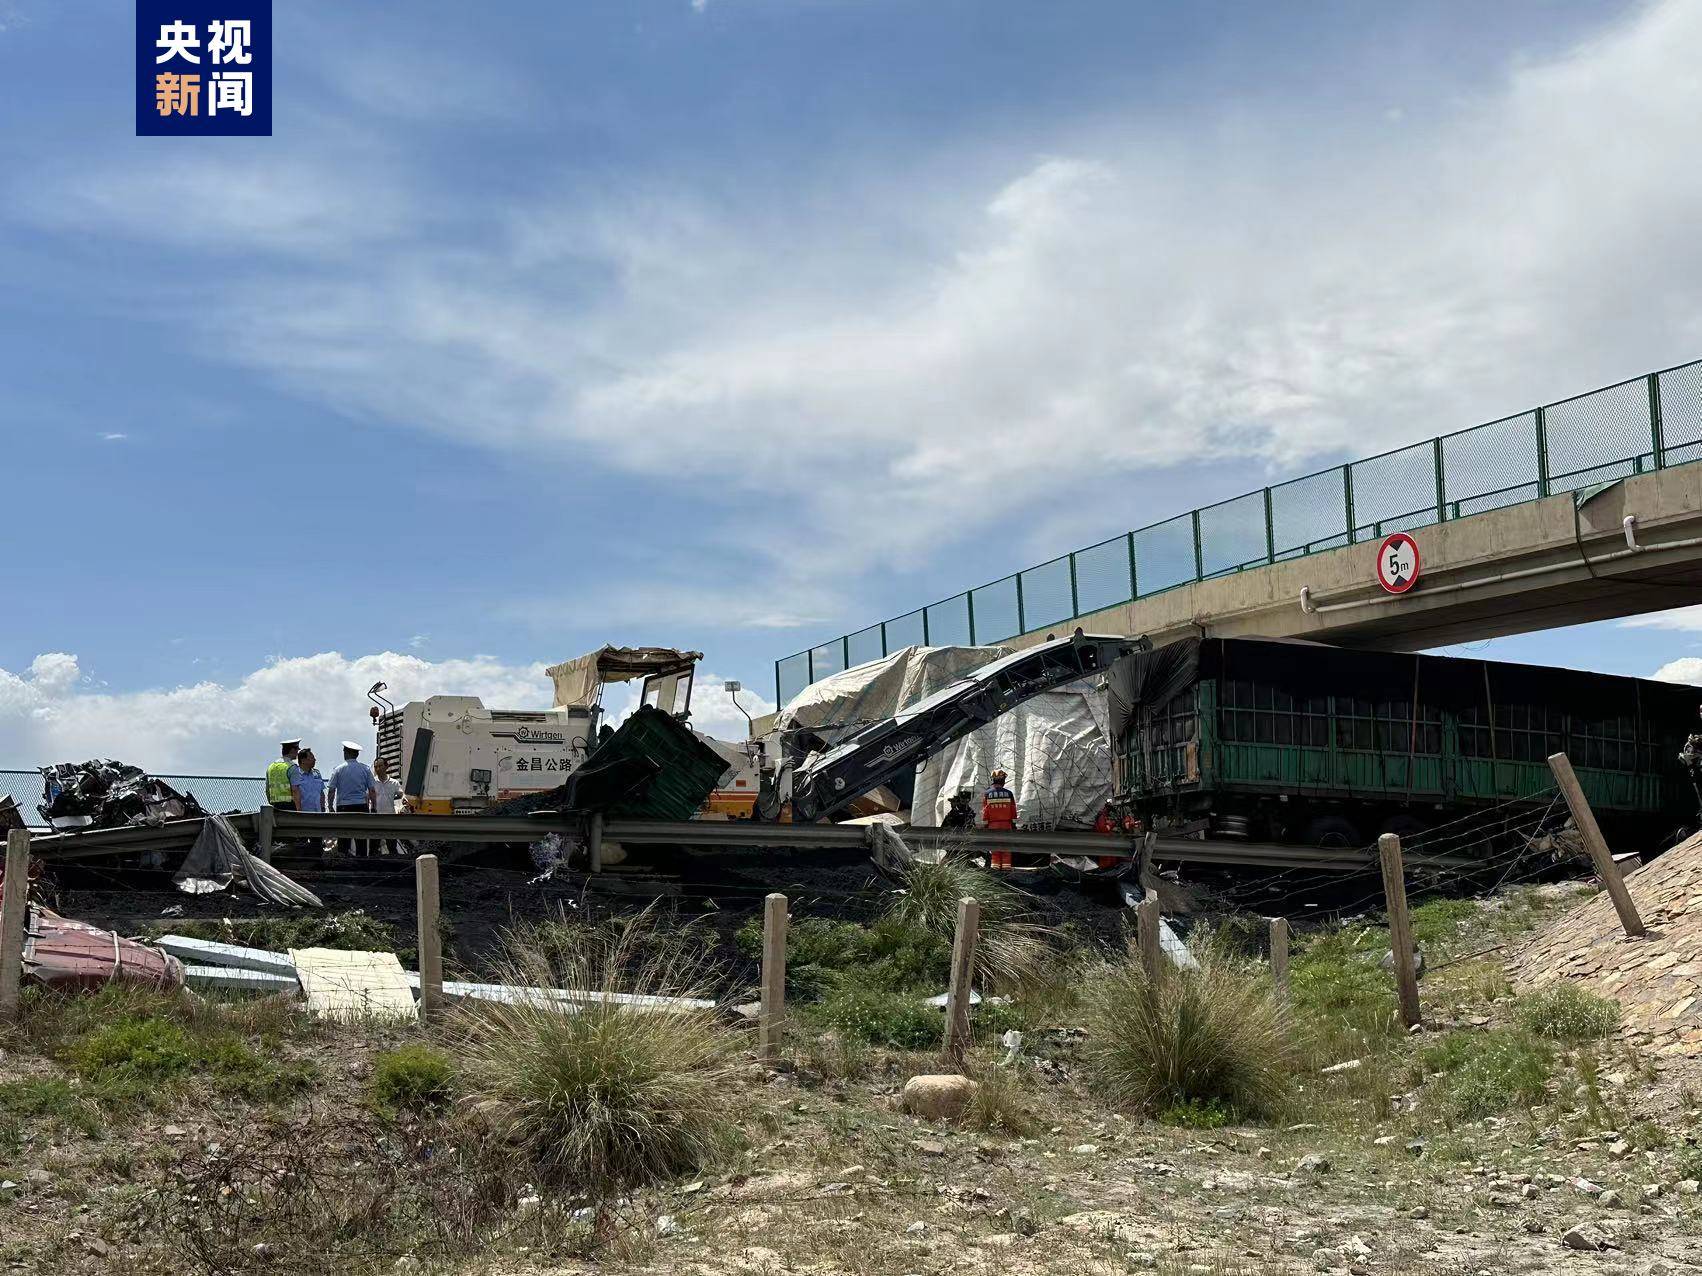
67,955
104,794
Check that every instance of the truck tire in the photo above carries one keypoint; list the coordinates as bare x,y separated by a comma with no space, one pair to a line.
1333,832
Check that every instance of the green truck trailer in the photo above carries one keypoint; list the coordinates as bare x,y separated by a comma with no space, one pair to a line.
1289,741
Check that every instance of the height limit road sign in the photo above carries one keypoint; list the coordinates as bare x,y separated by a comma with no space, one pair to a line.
1397,563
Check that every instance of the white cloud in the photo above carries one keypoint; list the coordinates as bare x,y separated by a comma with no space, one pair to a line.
54,713
1684,669
944,352
1688,619
113,436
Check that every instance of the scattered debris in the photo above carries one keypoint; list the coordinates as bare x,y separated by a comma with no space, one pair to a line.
104,794
340,984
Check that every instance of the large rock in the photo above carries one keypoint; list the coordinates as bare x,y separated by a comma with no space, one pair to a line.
941,1097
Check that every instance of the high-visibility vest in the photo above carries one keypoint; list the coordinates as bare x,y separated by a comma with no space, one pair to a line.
278,781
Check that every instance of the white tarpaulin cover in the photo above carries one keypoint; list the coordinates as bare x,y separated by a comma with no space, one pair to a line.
877,690
1054,748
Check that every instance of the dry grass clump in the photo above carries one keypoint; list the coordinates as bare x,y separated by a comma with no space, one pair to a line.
601,1095
1010,952
1212,1039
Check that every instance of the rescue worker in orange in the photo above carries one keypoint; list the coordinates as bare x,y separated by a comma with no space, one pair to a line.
998,811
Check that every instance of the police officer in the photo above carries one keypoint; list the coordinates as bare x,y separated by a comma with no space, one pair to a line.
278,777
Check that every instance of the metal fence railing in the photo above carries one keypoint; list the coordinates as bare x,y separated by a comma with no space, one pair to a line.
1647,423
214,792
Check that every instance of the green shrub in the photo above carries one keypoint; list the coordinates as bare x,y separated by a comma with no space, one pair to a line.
1489,1072
613,1094
1199,1114
1565,1012
414,1078
879,1017
1215,1035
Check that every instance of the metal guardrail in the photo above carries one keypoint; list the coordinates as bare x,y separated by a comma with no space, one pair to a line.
1647,423
180,835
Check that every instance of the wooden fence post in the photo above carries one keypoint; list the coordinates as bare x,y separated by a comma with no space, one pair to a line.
771,1020
12,913
962,979
1148,941
430,945
265,822
1591,832
1400,927
1279,956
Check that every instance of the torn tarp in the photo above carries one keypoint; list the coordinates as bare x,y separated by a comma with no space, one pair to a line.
219,857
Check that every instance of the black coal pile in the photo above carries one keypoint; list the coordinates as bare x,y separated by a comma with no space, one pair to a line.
103,794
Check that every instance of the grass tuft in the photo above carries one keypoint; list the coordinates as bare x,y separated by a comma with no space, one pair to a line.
1009,952
1487,1073
611,1095
1214,1036
1565,1012
412,1079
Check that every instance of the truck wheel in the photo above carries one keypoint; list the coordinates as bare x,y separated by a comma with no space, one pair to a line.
1334,832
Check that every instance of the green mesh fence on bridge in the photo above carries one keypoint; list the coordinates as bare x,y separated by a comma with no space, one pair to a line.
1647,423
214,792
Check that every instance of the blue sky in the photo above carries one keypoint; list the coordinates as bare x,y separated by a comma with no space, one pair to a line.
737,324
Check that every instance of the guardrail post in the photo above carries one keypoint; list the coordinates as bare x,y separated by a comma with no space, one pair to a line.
1657,431
969,600
265,820
429,942
1021,612
962,979
771,1018
1591,832
1075,598
1270,530
1400,927
13,910
1134,580
1279,956
1347,501
1199,553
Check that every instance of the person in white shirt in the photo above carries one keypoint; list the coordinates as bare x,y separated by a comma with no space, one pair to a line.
385,793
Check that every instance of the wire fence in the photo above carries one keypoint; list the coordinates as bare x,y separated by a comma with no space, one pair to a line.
214,792
1647,423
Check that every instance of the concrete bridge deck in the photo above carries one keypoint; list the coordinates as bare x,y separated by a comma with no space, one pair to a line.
1535,565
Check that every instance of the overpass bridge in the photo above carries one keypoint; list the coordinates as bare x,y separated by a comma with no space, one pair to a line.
1581,510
